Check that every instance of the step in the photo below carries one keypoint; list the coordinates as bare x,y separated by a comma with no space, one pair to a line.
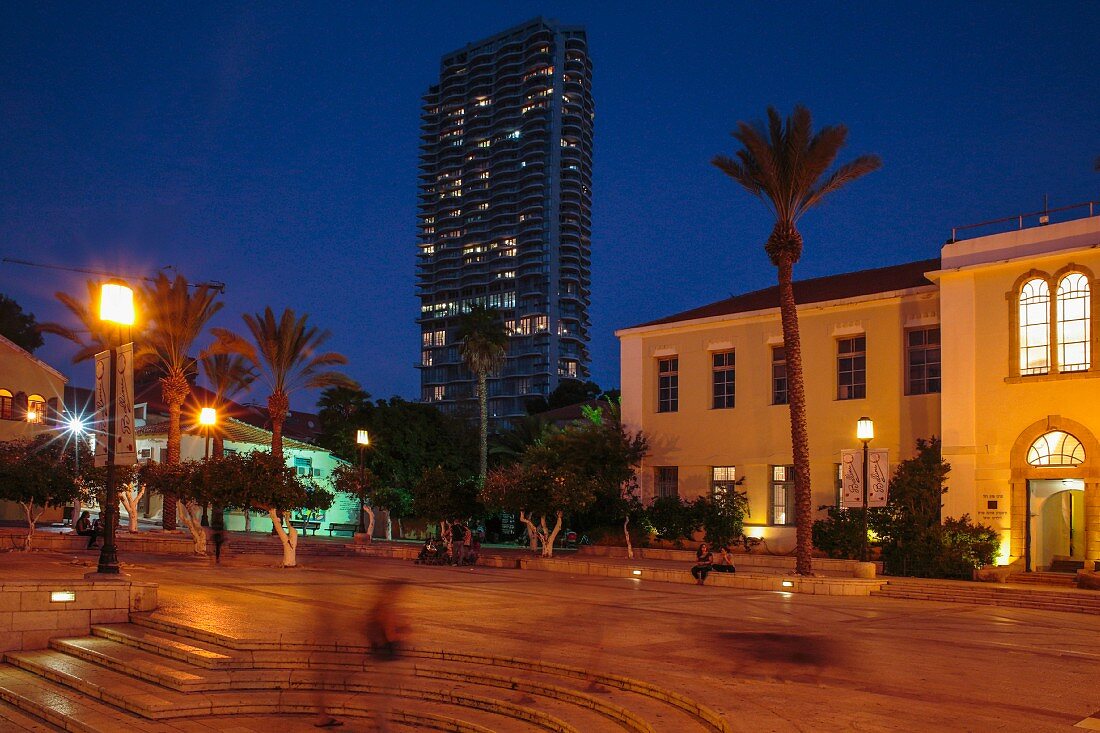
63,707
13,719
192,651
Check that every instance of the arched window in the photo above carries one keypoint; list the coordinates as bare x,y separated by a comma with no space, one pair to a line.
1056,449
36,409
7,405
1073,323
1035,327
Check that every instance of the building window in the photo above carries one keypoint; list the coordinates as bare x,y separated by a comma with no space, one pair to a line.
303,466
779,376
723,480
667,481
852,368
922,360
1035,327
7,405
781,498
723,379
1056,448
36,409
1073,323
668,384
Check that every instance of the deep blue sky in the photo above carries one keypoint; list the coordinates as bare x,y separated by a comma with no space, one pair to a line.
273,146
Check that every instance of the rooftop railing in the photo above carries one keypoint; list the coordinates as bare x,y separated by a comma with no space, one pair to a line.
1025,221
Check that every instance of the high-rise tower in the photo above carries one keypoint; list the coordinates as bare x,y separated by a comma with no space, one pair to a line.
505,204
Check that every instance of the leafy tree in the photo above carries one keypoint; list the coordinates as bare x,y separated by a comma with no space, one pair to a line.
442,495
18,327
342,411
784,165
508,446
287,353
361,483
722,516
36,474
674,519
176,315
187,483
483,343
541,489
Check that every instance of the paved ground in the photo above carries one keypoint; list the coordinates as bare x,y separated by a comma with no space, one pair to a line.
769,661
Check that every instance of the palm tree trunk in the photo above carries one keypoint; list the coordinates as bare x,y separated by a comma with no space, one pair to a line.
796,397
174,394
483,404
277,405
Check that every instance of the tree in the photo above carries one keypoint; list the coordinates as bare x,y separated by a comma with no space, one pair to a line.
483,343
361,483
227,375
785,166
342,411
442,495
37,474
287,354
541,489
568,392
186,483
18,327
176,314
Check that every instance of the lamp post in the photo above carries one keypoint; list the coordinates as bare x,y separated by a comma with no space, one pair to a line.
208,416
116,305
76,428
865,431
362,440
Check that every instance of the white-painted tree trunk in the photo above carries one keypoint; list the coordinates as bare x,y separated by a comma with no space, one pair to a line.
549,537
445,534
626,534
288,536
130,501
389,527
247,521
28,509
400,529
370,520
76,513
189,512
532,531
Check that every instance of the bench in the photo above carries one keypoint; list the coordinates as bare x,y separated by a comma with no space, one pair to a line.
303,525
338,527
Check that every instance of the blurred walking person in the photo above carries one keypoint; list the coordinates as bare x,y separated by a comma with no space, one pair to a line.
386,634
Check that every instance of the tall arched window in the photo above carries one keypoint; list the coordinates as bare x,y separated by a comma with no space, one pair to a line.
7,405
36,409
1073,323
1035,327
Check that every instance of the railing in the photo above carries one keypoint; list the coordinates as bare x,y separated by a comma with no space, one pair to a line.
1023,221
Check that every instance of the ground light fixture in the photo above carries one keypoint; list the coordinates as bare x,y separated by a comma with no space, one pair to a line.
62,596
636,572
787,583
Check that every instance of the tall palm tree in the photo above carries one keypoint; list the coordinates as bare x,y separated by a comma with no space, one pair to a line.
483,342
784,164
177,314
286,352
228,376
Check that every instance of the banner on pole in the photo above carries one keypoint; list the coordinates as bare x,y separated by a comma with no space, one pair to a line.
102,397
851,478
125,448
878,480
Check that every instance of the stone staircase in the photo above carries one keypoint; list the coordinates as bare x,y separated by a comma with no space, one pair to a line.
156,675
1058,580
1031,596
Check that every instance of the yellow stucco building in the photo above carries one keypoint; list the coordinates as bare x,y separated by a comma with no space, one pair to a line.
988,346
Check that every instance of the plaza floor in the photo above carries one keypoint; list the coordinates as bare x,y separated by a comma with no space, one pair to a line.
765,661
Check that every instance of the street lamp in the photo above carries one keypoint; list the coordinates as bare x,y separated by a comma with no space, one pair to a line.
208,416
75,426
362,440
865,431
116,305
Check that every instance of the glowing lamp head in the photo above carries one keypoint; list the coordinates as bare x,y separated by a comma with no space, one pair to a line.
362,438
32,415
865,429
116,304
76,425
208,416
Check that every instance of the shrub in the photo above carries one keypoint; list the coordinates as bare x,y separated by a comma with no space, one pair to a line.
673,519
966,546
840,534
722,516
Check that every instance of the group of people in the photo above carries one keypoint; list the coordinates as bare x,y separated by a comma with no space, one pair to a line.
464,542
704,563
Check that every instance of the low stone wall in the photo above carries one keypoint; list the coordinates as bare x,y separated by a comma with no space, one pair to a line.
816,585
743,561
157,543
29,619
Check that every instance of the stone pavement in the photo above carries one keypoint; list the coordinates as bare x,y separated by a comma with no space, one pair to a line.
764,661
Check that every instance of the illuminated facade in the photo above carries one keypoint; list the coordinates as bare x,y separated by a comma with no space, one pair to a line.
990,346
504,212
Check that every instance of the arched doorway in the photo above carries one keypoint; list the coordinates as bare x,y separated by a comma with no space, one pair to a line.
1055,496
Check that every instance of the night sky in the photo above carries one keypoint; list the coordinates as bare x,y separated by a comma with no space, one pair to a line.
273,146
